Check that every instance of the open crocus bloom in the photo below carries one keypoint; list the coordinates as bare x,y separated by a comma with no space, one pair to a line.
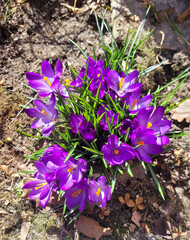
136,103
115,153
44,185
146,142
99,192
71,172
123,84
48,83
45,114
77,195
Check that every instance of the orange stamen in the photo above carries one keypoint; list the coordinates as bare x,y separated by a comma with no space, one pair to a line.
141,143
75,194
45,113
134,103
121,82
70,169
98,192
67,81
40,185
47,81
116,151
149,124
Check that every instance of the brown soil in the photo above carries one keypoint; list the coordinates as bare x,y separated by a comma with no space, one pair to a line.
40,30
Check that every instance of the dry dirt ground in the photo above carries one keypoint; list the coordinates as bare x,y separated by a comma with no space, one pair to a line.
38,30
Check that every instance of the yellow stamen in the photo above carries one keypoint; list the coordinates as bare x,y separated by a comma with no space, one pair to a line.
67,81
75,194
121,82
45,113
70,168
134,103
149,124
40,185
98,192
47,81
79,123
99,75
116,151
141,143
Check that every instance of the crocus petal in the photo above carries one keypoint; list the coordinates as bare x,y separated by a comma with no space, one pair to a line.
33,76
33,112
40,167
161,127
162,140
40,105
37,123
55,83
47,69
47,129
52,102
157,114
142,117
59,69
46,191
143,155
153,149
134,87
113,140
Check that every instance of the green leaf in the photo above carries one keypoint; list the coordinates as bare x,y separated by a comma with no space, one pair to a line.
156,180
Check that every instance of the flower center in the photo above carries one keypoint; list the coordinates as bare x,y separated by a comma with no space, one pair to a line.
98,192
121,82
40,185
75,194
70,168
44,112
134,103
149,124
79,123
67,81
116,151
47,81
141,143
98,75
126,129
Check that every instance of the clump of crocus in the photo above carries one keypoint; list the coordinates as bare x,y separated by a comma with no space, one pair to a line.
45,115
102,122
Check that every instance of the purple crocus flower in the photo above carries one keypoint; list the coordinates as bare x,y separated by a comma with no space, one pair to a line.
99,192
48,83
71,172
111,116
135,103
154,120
78,80
115,153
55,154
45,184
88,133
95,85
123,84
147,144
77,123
126,124
45,114
77,195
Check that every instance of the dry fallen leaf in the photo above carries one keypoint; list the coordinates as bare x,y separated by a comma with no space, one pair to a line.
24,230
182,17
130,203
182,112
91,228
136,217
